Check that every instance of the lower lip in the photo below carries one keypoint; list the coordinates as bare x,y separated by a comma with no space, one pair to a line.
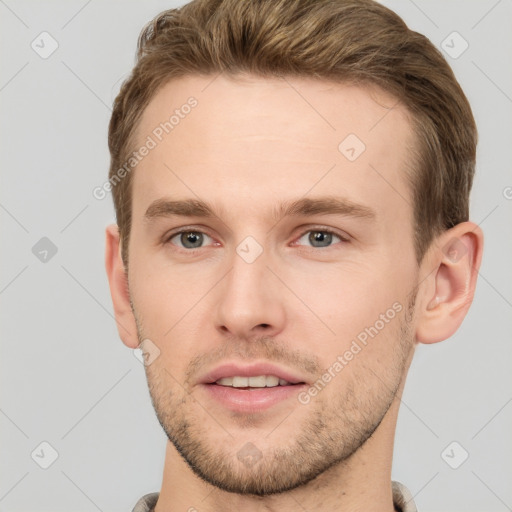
252,400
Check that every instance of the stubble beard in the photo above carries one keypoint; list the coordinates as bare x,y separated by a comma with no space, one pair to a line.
327,437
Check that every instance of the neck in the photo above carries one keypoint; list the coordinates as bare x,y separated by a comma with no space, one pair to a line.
361,482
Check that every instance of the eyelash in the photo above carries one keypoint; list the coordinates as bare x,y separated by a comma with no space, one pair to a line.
319,229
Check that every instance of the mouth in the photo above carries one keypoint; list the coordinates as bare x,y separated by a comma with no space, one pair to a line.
254,382
251,388
252,376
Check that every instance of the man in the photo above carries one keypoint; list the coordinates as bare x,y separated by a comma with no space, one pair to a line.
291,185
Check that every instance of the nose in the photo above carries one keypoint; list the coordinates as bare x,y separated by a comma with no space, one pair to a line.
249,300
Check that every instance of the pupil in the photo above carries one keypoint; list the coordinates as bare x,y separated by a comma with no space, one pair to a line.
191,239
320,237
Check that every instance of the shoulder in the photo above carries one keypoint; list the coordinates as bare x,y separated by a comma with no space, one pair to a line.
402,498
146,503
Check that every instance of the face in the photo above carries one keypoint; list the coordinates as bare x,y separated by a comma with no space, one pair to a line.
271,264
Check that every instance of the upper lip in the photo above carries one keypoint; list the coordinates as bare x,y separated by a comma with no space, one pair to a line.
250,370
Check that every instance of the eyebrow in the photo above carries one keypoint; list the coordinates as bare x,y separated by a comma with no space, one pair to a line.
328,205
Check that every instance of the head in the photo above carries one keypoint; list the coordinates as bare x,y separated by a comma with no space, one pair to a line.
320,176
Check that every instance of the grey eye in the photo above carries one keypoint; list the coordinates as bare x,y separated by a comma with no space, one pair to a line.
318,238
190,239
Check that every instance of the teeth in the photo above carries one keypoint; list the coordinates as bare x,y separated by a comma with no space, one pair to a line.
260,381
225,381
272,381
257,382
240,382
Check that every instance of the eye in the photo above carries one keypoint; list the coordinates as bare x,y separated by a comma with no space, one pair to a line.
320,238
189,239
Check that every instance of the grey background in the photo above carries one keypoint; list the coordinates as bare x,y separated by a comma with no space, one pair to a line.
67,379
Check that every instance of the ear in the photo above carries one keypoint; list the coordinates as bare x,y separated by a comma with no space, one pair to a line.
118,282
452,264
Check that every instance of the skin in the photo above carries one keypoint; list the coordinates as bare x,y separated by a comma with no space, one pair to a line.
250,144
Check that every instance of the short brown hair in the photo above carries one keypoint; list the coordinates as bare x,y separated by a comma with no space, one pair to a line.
357,41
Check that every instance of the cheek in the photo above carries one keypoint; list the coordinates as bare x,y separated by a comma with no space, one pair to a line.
356,320
171,308
163,293
347,297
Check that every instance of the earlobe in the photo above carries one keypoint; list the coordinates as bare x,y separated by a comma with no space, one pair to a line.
119,292
456,257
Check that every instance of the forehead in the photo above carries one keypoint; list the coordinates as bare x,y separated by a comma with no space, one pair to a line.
254,141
